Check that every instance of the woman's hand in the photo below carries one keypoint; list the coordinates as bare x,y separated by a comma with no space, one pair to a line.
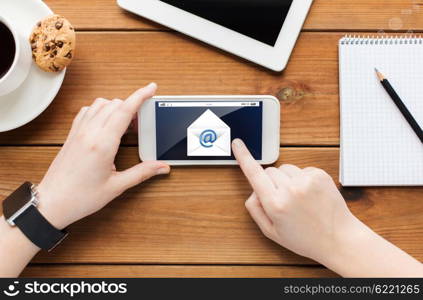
300,209
83,178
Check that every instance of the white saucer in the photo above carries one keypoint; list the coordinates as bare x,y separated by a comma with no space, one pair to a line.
39,89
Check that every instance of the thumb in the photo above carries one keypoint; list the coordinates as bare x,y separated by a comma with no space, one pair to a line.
140,173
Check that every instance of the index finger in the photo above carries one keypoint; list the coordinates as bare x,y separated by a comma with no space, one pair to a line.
121,118
134,102
257,177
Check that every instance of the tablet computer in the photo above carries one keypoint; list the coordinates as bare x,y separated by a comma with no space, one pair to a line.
262,31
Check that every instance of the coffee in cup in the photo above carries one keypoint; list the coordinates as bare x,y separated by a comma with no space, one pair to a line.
15,57
7,50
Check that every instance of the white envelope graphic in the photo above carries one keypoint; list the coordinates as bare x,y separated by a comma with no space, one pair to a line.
209,136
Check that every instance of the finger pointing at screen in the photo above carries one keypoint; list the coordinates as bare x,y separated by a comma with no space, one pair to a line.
300,209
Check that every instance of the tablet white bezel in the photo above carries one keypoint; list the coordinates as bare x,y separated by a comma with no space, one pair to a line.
270,137
274,58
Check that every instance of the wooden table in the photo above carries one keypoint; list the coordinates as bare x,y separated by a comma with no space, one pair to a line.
193,223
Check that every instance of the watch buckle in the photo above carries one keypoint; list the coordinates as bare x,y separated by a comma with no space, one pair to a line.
34,193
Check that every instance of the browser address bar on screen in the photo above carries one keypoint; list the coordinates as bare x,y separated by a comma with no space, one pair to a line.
209,104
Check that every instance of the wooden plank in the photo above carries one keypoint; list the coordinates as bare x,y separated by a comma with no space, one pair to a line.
359,15
197,215
365,15
156,271
112,65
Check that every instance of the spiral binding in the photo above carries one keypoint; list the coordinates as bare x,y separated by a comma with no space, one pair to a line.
381,40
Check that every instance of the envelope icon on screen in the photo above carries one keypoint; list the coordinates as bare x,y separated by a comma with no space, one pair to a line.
209,136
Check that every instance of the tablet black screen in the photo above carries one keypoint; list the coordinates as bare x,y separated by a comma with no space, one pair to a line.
261,20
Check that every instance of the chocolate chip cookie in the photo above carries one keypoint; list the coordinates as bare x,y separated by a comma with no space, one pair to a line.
53,43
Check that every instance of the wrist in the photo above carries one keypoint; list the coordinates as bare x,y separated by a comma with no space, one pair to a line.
13,238
51,209
347,245
15,249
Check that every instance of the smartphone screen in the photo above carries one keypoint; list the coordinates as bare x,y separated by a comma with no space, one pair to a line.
204,130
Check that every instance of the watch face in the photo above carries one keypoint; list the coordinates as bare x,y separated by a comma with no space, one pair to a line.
17,200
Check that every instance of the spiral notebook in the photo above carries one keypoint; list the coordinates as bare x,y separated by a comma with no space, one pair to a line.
378,146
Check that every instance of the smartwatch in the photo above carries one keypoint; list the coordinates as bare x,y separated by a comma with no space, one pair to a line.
20,209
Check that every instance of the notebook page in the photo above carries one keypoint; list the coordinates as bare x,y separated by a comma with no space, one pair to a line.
378,146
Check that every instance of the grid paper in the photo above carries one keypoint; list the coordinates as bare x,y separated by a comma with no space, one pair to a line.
378,146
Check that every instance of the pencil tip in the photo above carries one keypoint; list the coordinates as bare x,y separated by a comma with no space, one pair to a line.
379,75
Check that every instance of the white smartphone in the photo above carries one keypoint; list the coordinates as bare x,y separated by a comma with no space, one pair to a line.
198,130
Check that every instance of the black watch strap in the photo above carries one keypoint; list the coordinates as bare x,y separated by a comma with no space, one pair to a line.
38,230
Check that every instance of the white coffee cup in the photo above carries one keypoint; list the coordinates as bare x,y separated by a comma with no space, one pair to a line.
21,62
